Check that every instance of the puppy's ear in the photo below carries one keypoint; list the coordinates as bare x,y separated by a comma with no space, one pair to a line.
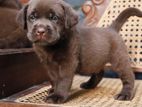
71,17
22,17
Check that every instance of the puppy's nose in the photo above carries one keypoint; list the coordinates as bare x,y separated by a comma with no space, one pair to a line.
40,31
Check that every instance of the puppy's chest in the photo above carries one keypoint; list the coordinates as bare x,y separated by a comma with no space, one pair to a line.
59,56
49,56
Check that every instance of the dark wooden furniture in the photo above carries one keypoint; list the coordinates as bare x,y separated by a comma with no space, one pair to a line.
19,69
12,104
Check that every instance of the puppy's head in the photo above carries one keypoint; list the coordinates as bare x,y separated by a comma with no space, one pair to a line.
46,20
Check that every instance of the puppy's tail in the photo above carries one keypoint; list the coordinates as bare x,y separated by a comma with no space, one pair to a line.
122,18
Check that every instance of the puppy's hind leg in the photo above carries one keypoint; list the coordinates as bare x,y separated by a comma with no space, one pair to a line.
121,65
93,81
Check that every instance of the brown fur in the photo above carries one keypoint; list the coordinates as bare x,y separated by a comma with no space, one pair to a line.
14,4
66,49
11,35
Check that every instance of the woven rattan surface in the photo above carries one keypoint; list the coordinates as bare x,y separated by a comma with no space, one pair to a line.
132,29
101,96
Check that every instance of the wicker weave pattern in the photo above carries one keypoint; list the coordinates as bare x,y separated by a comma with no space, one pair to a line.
131,30
101,96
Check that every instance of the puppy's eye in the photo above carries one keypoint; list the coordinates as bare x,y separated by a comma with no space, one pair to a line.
53,17
33,17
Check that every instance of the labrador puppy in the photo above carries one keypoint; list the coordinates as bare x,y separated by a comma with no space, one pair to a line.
66,48
11,35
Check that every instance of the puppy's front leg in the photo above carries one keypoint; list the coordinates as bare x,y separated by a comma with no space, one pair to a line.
61,91
65,73
63,82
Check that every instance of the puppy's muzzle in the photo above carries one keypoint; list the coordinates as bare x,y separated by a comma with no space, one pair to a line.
40,33
44,34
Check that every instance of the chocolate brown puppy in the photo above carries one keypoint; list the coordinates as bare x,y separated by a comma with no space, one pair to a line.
11,35
65,48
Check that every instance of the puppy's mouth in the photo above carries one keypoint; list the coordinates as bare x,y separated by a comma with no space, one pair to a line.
41,37
45,40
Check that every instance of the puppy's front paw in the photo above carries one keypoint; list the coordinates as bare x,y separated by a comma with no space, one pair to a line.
55,98
124,96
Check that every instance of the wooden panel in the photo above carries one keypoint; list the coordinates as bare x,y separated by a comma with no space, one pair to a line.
10,104
19,71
